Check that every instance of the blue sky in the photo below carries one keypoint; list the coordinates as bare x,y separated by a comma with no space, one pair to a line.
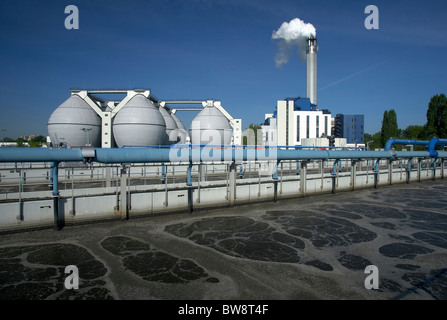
222,49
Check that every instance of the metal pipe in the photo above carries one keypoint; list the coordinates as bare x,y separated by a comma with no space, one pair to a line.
40,155
188,181
58,221
409,169
126,156
432,144
392,142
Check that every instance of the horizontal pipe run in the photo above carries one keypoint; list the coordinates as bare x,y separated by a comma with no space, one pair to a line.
40,155
392,142
124,156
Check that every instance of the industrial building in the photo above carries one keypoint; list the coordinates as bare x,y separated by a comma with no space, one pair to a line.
299,122
350,127
294,120
138,119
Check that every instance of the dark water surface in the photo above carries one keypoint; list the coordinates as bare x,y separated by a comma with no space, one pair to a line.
307,248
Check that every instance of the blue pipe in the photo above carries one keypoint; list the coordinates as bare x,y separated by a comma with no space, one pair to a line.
55,175
433,143
40,155
163,173
188,181
376,166
334,168
125,156
392,141
409,164
58,224
275,175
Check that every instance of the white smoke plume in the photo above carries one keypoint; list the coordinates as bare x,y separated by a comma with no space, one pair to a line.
292,34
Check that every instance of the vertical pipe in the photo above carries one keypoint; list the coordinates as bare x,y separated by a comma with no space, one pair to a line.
333,184
189,185
390,172
73,212
334,176
163,171
409,170
280,192
275,173
190,205
434,170
199,178
419,169
259,180
188,177
353,172
232,183
275,190
123,193
303,178
376,173
275,182
442,168
367,171
58,220
166,191
128,195
20,197
322,174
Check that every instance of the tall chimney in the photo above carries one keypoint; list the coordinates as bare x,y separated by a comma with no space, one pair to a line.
311,53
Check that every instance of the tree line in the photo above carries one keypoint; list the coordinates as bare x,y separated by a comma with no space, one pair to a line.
37,141
436,126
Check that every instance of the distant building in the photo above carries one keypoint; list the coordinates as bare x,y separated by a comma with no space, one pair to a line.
29,138
350,127
295,119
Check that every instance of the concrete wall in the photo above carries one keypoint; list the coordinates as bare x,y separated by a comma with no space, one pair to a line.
35,209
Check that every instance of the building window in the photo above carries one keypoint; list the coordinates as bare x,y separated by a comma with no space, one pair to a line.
298,128
318,127
307,126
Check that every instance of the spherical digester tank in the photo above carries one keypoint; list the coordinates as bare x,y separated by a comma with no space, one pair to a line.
180,134
74,123
171,125
178,121
139,122
210,126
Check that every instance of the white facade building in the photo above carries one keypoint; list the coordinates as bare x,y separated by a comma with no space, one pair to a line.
291,124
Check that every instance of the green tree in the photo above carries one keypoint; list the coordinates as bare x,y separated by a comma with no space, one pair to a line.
414,132
390,128
20,142
39,139
437,117
375,138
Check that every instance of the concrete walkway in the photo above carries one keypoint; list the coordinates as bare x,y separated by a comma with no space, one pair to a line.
308,248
